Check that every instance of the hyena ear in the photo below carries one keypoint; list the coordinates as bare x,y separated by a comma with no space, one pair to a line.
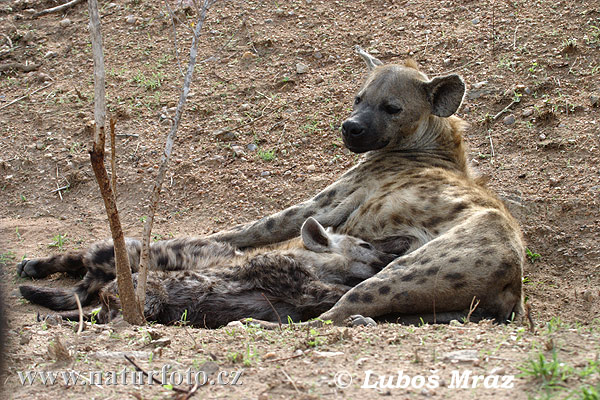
314,236
371,61
445,93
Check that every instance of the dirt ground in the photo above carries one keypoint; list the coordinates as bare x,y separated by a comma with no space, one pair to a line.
261,132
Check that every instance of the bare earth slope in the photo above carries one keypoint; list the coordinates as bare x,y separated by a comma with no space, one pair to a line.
280,76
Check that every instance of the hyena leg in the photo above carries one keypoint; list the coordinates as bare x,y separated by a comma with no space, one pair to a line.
72,263
446,275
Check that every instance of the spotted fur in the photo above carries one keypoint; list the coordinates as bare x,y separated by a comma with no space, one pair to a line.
212,283
412,194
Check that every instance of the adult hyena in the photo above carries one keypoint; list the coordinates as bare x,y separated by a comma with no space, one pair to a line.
412,194
212,283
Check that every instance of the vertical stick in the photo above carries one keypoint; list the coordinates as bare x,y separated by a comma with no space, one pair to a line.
132,312
145,256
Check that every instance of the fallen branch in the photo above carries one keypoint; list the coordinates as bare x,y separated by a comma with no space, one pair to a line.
505,109
25,96
57,8
19,66
145,255
154,379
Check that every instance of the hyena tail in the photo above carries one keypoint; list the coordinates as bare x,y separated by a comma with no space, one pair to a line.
55,298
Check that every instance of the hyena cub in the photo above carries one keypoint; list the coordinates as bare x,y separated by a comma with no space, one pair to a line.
213,283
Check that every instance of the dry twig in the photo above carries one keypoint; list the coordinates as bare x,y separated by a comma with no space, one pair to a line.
273,308
57,8
80,329
145,256
25,96
472,308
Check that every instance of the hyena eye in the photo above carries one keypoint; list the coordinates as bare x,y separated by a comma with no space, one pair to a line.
357,100
391,109
366,246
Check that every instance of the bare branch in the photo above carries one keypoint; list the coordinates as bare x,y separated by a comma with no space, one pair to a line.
132,312
145,256
57,8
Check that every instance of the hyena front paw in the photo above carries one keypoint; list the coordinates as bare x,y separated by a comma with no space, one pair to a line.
31,269
359,320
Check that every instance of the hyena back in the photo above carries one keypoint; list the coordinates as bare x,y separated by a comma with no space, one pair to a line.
212,283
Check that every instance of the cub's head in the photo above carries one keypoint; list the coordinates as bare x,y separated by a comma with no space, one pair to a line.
394,101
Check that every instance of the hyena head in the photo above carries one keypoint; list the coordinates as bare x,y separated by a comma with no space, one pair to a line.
393,101
361,258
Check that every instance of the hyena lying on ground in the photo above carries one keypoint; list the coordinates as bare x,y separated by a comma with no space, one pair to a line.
212,283
412,194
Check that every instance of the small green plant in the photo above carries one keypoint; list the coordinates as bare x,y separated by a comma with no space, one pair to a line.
266,155
149,83
549,373
184,318
58,241
593,35
7,258
313,339
94,315
533,257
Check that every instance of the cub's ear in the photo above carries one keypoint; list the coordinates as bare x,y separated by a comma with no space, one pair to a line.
445,94
314,236
371,61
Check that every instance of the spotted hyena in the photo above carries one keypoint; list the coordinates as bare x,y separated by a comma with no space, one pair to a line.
212,283
412,194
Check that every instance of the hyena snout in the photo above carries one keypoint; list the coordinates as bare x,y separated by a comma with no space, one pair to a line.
352,129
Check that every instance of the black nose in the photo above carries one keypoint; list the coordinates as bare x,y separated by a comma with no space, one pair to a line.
352,128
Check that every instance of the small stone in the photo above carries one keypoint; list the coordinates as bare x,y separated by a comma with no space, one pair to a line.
51,54
40,146
479,85
317,55
528,112
248,55
475,21
595,100
245,107
42,77
252,147
25,338
265,173
236,324
319,79
64,22
225,135
269,356
542,136
509,120
268,21
462,356
301,68
162,342
28,37
238,150
311,168
131,19
29,11
447,61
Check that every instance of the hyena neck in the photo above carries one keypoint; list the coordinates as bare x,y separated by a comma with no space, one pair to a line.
436,138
